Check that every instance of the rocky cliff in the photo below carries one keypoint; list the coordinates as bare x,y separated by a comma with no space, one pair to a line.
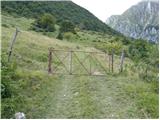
139,21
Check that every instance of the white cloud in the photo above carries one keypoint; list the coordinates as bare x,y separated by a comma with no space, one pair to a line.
105,8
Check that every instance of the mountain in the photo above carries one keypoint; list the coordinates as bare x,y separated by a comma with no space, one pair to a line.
139,21
62,10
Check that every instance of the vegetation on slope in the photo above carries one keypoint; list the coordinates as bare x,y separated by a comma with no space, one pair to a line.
28,88
45,23
61,10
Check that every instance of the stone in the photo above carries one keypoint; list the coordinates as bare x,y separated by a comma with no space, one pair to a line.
20,115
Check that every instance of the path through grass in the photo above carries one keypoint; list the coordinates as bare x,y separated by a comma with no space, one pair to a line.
85,97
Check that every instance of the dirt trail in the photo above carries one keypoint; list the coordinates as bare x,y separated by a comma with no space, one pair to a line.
89,97
61,99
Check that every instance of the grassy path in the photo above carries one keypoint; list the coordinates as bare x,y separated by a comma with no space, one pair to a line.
87,97
60,100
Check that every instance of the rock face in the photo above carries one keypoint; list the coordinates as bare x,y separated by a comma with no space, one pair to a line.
139,21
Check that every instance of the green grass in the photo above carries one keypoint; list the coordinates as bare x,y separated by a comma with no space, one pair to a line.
21,23
40,95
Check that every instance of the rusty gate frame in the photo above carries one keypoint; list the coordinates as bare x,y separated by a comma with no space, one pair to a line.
70,53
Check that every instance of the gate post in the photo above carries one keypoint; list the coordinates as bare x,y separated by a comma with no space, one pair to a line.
109,61
122,60
49,61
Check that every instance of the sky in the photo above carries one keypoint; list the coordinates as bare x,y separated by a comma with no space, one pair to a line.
105,8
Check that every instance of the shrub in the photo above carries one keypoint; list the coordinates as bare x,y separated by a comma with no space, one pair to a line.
117,47
60,36
7,109
44,23
67,35
7,75
67,26
66,29
6,91
5,25
11,101
138,50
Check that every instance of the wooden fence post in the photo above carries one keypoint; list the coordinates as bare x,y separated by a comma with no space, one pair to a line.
122,61
109,61
112,59
49,61
12,43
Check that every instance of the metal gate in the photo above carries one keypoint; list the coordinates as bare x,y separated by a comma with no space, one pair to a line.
79,62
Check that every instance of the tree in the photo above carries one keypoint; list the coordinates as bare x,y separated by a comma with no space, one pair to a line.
67,26
45,23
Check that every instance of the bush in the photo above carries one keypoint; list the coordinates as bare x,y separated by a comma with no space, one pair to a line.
5,25
7,109
116,46
45,23
66,30
138,50
67,26
6,91
67,35
60,36
11,101
7,75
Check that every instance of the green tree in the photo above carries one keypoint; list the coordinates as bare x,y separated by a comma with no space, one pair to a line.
45,23
67,26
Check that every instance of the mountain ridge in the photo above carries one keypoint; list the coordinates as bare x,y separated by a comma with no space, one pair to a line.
62,10
139,21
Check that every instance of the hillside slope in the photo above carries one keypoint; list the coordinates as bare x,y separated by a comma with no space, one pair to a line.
139,21
40,95
62,10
